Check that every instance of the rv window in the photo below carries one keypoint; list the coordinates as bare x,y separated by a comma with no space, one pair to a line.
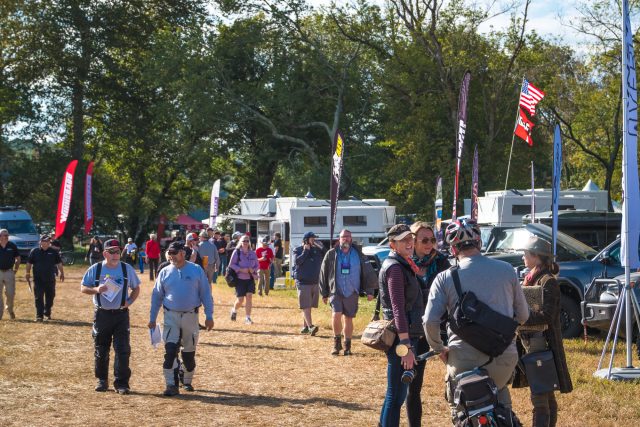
311,221
357,221
241,227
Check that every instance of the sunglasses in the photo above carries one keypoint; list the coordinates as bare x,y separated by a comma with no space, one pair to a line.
245,241
114,251
172,253
431,240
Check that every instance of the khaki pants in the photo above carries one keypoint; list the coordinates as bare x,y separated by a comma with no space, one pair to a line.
210,270
277,265
263,284
8,288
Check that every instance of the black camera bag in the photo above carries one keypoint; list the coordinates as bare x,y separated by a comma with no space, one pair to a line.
475,393
477,324
231,276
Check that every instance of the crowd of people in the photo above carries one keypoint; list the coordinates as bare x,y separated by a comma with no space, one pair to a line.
417,289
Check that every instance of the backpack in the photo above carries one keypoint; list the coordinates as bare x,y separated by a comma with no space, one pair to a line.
478,324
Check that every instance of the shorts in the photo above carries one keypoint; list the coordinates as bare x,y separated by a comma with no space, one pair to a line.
345,305
245,286
308,296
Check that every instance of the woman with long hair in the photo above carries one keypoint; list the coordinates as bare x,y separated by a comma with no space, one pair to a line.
245,263
94,254
543,330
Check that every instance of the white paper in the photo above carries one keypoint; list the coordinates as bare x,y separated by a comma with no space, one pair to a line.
113,289
156,336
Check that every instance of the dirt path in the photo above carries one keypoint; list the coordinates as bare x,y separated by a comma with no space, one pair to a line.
261,374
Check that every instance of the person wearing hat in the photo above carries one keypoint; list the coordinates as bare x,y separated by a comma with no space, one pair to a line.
306,261
265,258
345,273
538,258
208,249
180,289
114,286
130,252
191,249
46,262
401,301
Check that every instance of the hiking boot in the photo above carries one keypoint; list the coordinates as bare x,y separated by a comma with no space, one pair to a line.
304,330
233,316
187,387
12,315
123,390
313,330
171,390
337,346
101,386
347,347
38,319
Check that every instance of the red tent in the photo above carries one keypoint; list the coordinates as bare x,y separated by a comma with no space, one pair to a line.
189,223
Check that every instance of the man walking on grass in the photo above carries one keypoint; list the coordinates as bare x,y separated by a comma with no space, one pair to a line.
46,262
343,275
9,264
306,262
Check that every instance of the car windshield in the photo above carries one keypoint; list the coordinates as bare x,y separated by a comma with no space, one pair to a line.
23,226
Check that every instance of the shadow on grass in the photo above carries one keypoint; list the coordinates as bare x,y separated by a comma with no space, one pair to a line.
249,400
248,331
253,347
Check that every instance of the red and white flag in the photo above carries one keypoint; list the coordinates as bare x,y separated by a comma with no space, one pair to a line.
88,199
64,199
529,97
524,128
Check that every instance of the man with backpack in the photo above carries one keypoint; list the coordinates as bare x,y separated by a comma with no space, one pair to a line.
493,283
109,281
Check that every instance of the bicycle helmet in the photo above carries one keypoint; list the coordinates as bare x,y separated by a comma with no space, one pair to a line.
462,233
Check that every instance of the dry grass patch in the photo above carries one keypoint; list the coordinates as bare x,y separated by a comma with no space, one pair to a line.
262,374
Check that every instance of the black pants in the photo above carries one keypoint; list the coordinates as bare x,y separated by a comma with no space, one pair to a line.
44,292
414,402
108,326
153,266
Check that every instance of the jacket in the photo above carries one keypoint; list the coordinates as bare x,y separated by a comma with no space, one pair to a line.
368,279
549,314
305,265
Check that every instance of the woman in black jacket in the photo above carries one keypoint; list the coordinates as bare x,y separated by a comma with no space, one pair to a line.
94,254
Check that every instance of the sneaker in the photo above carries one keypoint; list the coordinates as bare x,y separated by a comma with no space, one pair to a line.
38,319
188,387
248,321
47,318
233,316
313,330
123,390
260,293
101,386
171,390
304,330
12,315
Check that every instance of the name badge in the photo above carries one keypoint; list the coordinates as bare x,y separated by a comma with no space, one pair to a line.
345,270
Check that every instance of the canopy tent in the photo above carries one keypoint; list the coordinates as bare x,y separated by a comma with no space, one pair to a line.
189,223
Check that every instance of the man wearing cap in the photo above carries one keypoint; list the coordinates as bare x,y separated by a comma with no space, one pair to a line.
129,252
233,244
109,282
306,262
180,289
191,249
345,273
46,262
208,249
265,258
9,264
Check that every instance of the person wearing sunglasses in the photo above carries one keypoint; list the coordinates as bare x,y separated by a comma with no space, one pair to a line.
245,262
109,282
430,262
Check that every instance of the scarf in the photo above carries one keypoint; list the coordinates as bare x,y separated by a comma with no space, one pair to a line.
531,277
428,262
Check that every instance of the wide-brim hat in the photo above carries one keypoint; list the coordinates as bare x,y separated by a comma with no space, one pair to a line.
538,246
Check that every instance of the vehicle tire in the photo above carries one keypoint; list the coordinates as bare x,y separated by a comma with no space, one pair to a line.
570,317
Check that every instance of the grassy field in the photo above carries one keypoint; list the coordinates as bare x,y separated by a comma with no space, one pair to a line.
263,374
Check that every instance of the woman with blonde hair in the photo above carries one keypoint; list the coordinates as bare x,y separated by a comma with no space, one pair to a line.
244,262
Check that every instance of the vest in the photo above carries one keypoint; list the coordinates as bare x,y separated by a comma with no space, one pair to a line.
413,301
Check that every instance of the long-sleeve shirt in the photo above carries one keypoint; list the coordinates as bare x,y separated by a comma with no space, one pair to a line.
494,282
395,282
152,248
181,289
241,259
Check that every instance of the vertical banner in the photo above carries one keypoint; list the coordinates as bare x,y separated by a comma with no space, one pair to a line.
215,197
474,186
533,196
462,128
555,190
438,216
88,199
336,173
630,197
64,199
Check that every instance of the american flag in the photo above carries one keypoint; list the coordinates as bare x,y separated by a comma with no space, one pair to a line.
530,96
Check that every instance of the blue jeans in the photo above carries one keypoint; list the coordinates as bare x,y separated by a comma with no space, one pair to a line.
272,277
223,264
396,390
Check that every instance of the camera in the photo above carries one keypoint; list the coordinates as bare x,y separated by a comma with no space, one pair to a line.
408,376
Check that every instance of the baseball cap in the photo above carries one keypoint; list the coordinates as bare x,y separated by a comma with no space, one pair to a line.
265,239
308,235
190,237
111,243
236,235
130,239
45,238
399,232
176,247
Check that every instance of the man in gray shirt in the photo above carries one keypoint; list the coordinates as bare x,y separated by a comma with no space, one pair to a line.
495,283
208,249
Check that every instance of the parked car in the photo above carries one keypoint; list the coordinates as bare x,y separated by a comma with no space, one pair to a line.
376,254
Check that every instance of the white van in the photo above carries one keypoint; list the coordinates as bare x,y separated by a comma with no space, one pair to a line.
22,231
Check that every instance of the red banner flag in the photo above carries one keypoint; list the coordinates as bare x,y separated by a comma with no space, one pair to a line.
88,200
524,128
64,200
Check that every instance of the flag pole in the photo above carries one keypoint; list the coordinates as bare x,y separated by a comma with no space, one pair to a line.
513,138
